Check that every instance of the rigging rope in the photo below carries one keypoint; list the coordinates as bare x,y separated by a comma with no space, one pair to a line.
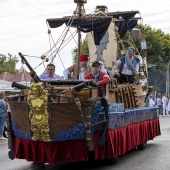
55,51
64,42
68,27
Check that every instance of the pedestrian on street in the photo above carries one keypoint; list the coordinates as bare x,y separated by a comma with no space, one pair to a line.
159,103
165,104
2,114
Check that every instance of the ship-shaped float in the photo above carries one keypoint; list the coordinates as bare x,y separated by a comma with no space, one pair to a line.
65,120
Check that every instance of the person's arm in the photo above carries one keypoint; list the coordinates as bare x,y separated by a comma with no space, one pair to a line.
68,71
87,76
42,76
65,74
141,59
71,68
90,77
105,80
118,62
137,67
117,65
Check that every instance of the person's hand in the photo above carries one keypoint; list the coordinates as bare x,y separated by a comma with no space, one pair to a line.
116,75
94,82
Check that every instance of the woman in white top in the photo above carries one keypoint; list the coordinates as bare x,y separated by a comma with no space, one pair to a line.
151,102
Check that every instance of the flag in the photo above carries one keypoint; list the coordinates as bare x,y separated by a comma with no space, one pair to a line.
136,32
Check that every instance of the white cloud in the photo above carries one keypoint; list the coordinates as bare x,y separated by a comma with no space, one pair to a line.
24,29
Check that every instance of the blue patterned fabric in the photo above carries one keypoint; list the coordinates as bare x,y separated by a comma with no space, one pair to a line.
17,132
79,131
118,118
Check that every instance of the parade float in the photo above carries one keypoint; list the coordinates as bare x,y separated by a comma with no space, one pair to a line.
65,120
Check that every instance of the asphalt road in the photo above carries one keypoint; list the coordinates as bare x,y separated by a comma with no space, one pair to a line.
156,156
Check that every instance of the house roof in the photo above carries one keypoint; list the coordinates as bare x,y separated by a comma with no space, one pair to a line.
21,76
5,76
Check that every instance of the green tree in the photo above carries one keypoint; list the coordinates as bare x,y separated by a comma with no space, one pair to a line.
8,64
159,54
84,50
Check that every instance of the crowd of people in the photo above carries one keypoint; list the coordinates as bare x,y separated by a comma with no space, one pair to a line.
125,68
96,72
162,101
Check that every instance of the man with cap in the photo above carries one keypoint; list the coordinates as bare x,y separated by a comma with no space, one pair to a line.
101,78
84,68
126,67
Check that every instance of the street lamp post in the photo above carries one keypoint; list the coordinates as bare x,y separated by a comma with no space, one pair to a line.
167,79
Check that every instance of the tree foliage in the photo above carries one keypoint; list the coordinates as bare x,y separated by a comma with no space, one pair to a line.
84,50
8,64
158,47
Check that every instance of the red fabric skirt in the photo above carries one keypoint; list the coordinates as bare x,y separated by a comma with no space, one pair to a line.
51,152
118,143
122,140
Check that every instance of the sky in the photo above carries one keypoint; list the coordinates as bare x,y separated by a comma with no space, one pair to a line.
24,29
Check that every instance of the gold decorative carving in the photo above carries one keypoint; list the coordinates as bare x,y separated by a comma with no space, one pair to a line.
38,115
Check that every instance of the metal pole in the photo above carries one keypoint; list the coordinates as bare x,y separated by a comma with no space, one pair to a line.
167,79
155,91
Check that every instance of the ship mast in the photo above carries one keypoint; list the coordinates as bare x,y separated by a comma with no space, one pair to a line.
80,11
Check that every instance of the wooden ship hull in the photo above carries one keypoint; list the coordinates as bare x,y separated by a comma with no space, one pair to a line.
66,115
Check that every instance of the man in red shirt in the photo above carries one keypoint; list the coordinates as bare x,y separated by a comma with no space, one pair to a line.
100,77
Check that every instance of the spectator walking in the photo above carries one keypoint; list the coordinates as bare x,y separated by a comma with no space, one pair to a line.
165,104
2,114
159,103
